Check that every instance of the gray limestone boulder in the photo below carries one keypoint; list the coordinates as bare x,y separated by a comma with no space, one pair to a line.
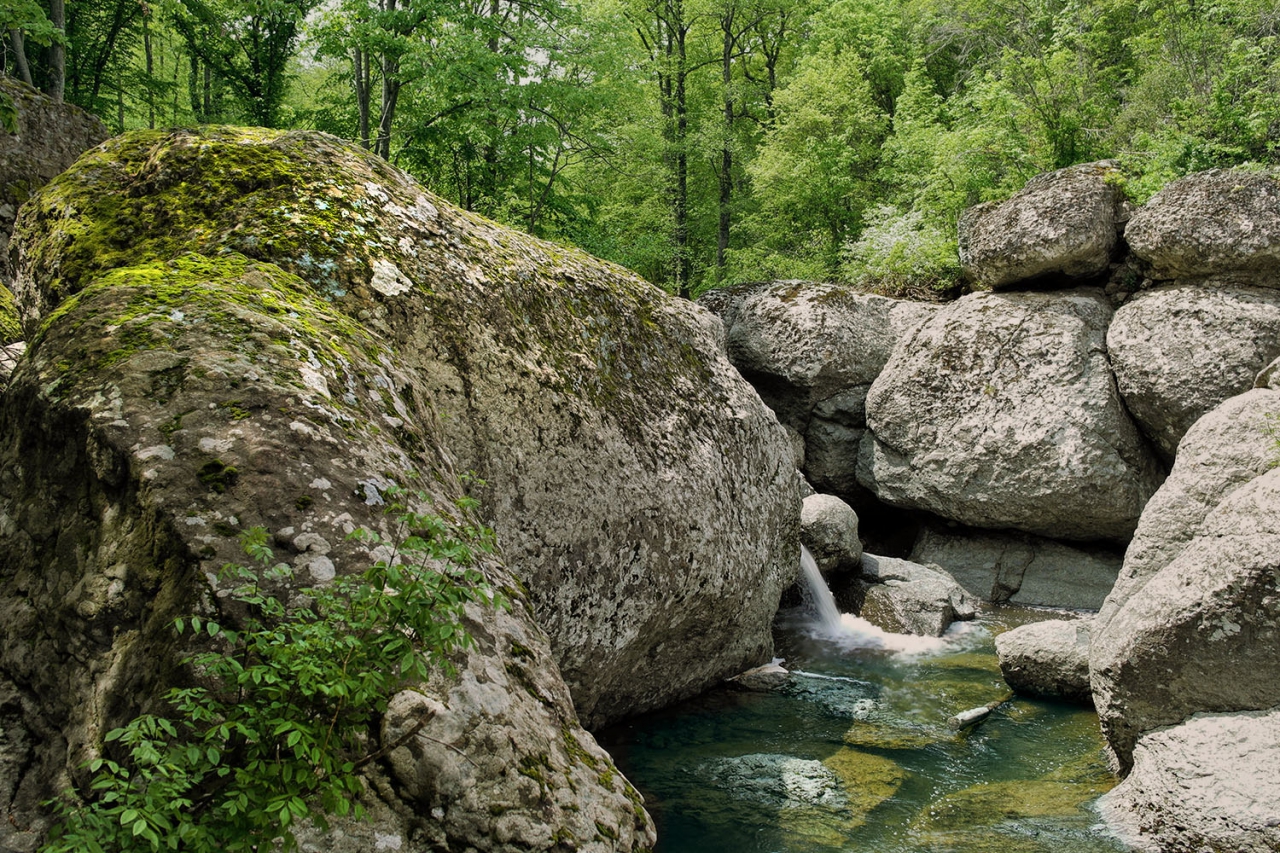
812,350
1061,224
1180,350
908,598
1020,568
1202,633
829,529
1207,784
49,138
1223,451
1002,412
1223,222
1047,659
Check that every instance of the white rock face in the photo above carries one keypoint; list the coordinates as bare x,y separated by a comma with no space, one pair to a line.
1202,634
1049,659
1002,412
1061,223
1207,784
1213,223
1180,350
1021,568
1226,449
829,529
908,598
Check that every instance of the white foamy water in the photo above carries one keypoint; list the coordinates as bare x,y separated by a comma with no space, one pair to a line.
819,593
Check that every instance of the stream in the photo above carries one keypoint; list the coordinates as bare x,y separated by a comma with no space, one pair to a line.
854,753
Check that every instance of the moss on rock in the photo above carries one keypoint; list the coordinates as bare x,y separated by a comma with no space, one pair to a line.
10,324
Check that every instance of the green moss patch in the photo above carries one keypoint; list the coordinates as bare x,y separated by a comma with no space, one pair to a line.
10,326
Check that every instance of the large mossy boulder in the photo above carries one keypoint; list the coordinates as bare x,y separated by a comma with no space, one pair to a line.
48,138
1180,350
1002,412
244,328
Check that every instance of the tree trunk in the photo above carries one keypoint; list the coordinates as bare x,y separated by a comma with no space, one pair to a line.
727,47
151,69
57,81
361,84
20,56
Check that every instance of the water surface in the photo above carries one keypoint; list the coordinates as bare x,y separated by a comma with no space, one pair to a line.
854,754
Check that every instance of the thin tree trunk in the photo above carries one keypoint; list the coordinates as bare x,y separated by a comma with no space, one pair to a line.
151,69
726,152
57,82
360,64
20,56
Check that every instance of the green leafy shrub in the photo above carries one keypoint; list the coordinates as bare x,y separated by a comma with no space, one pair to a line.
899,254
282,716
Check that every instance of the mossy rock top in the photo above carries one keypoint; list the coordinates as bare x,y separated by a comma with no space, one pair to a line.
10,324
359,232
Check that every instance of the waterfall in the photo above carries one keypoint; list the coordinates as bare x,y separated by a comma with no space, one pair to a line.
820,594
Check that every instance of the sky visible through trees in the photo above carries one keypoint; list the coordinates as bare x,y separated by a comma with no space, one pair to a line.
700,142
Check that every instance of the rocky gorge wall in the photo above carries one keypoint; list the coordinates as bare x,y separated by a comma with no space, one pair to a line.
1023,436
232,328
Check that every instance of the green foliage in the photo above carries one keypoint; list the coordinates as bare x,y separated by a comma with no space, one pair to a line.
899,254
281,715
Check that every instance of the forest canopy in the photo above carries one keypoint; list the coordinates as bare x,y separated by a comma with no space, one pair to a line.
700,142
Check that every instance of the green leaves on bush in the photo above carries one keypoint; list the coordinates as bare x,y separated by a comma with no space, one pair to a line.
283,711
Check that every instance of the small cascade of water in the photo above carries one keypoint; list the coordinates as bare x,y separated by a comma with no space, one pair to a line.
820,594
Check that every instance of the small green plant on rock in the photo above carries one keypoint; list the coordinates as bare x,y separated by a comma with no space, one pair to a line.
283,713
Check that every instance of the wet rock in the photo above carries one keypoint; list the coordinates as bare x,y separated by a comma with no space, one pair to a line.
1180,350
1061,224
764,678
908,598
50,137
829,529
1219,222
1021,568
1193,623
1002,412
811,350
1207,784
1048,659
602,428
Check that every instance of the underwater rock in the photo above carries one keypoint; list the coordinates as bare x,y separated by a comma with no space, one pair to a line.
1049,659
1020,568
596,419
1002,412
908,598
1219,222
764,678
1061,223
1181,350
829,529
1207,784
